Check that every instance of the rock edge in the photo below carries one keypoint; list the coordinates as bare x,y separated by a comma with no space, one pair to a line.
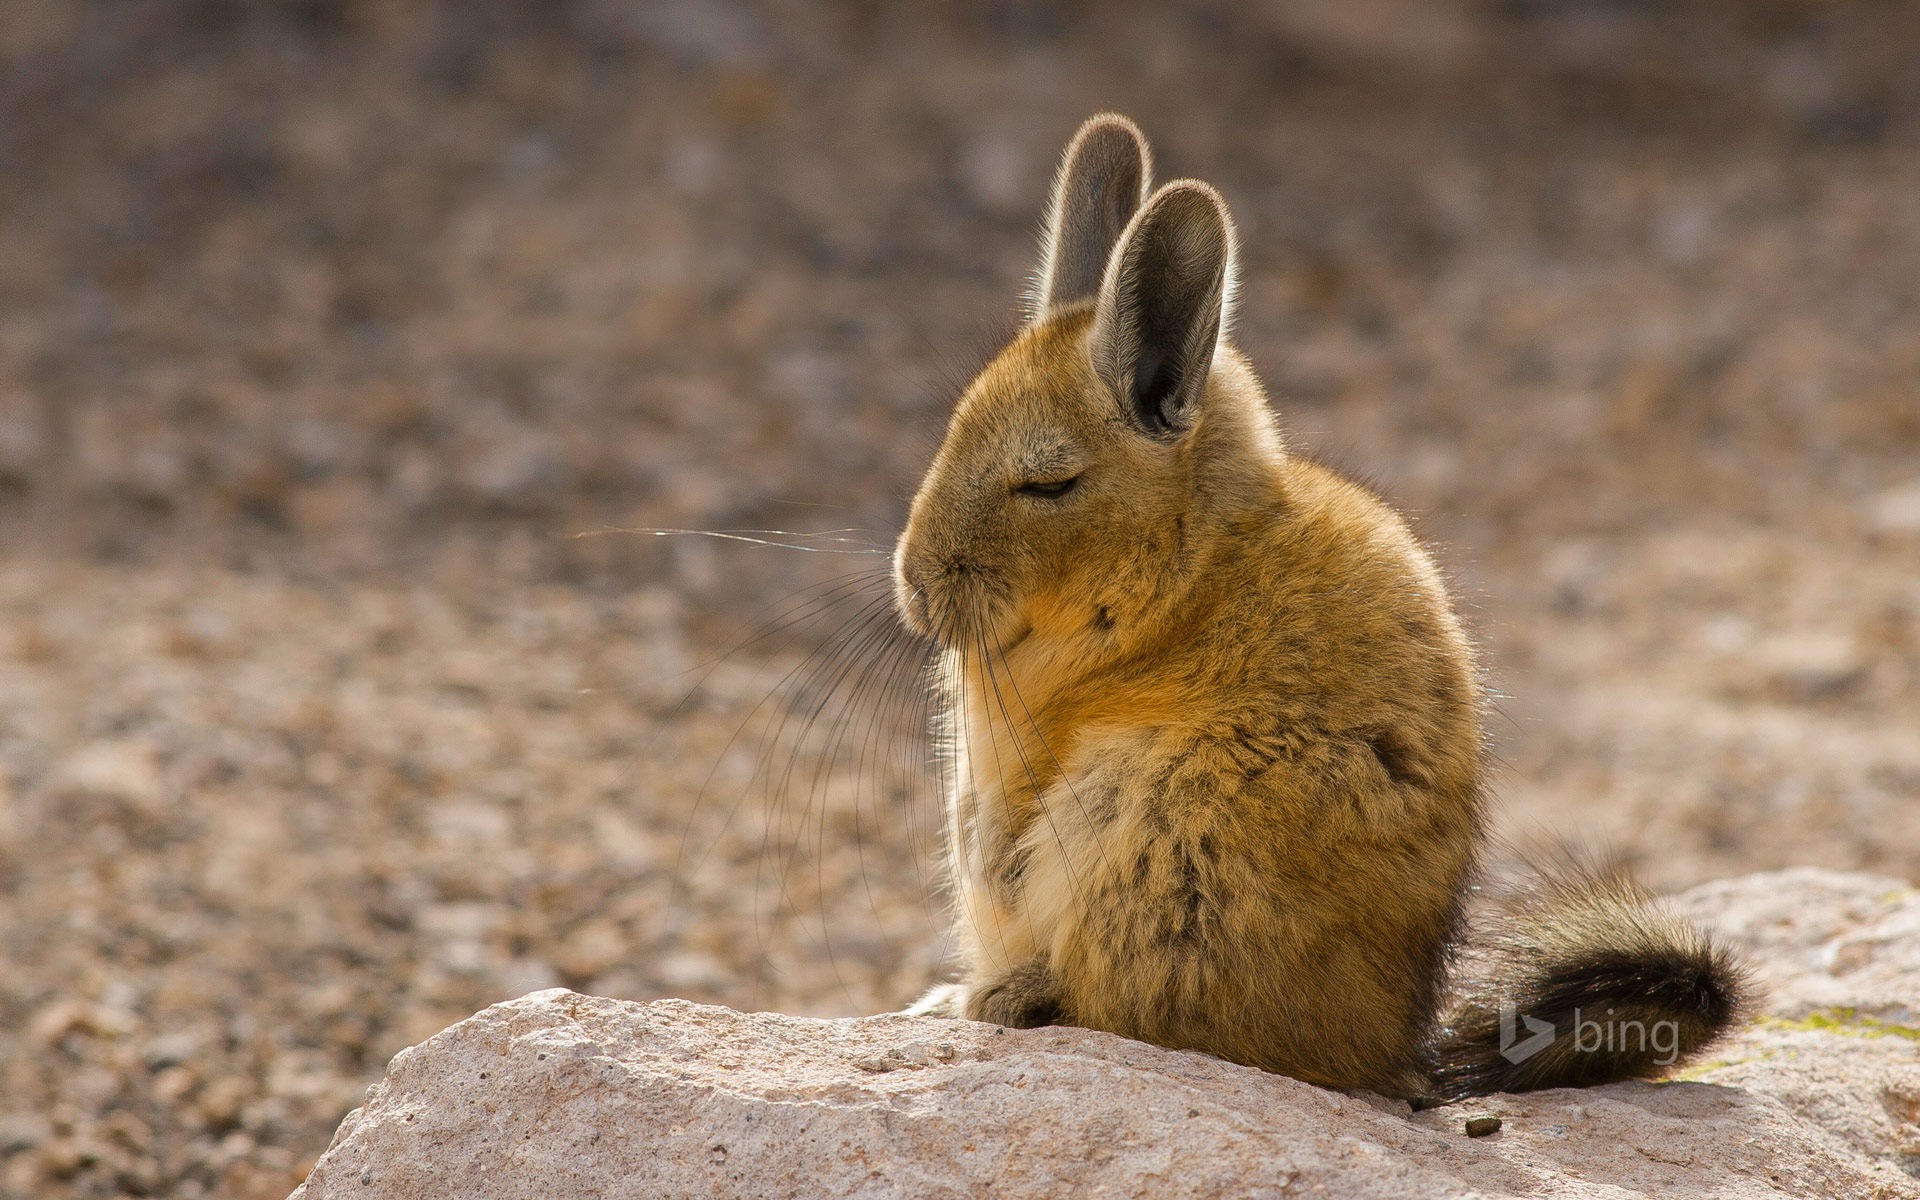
557,1094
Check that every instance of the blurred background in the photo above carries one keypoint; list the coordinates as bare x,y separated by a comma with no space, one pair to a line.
325,328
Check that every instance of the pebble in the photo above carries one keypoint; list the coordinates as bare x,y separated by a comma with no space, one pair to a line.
1479,1127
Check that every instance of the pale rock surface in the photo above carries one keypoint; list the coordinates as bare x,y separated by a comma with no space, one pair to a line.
1838,955
557,1095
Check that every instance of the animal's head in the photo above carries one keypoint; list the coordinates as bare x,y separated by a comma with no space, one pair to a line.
1062,500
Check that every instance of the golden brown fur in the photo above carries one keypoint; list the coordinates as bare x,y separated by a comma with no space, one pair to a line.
1213,725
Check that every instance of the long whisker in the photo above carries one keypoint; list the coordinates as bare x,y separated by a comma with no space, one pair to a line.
865,661
871,665
1033,783
826,656
818,653
939,752
869,764
1066,780
837,658
1033,780
825,596
921,767
757,537
859,664
962,829
894,757
933,754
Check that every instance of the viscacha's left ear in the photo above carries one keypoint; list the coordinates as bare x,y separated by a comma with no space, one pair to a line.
1103,178
1164,305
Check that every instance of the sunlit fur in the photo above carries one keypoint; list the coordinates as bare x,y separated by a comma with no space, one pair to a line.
1213,728
1223,780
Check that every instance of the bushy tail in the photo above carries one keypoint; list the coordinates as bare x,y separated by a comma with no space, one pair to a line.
1583,979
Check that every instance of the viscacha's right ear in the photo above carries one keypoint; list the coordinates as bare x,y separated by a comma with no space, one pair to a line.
1102,181
1164,305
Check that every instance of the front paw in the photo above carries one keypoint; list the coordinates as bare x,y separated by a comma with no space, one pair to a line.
1025,997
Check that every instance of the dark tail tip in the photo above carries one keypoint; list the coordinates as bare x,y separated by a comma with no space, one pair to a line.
1589,982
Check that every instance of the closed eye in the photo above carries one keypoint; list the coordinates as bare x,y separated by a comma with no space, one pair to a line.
1050,489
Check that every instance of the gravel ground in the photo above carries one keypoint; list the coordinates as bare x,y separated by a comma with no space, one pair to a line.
326,331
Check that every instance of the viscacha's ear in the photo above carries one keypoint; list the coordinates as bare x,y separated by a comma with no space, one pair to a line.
1103,178
1164,305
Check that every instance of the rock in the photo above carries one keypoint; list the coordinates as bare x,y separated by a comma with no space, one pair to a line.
557,1094
1822,942
1839,956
